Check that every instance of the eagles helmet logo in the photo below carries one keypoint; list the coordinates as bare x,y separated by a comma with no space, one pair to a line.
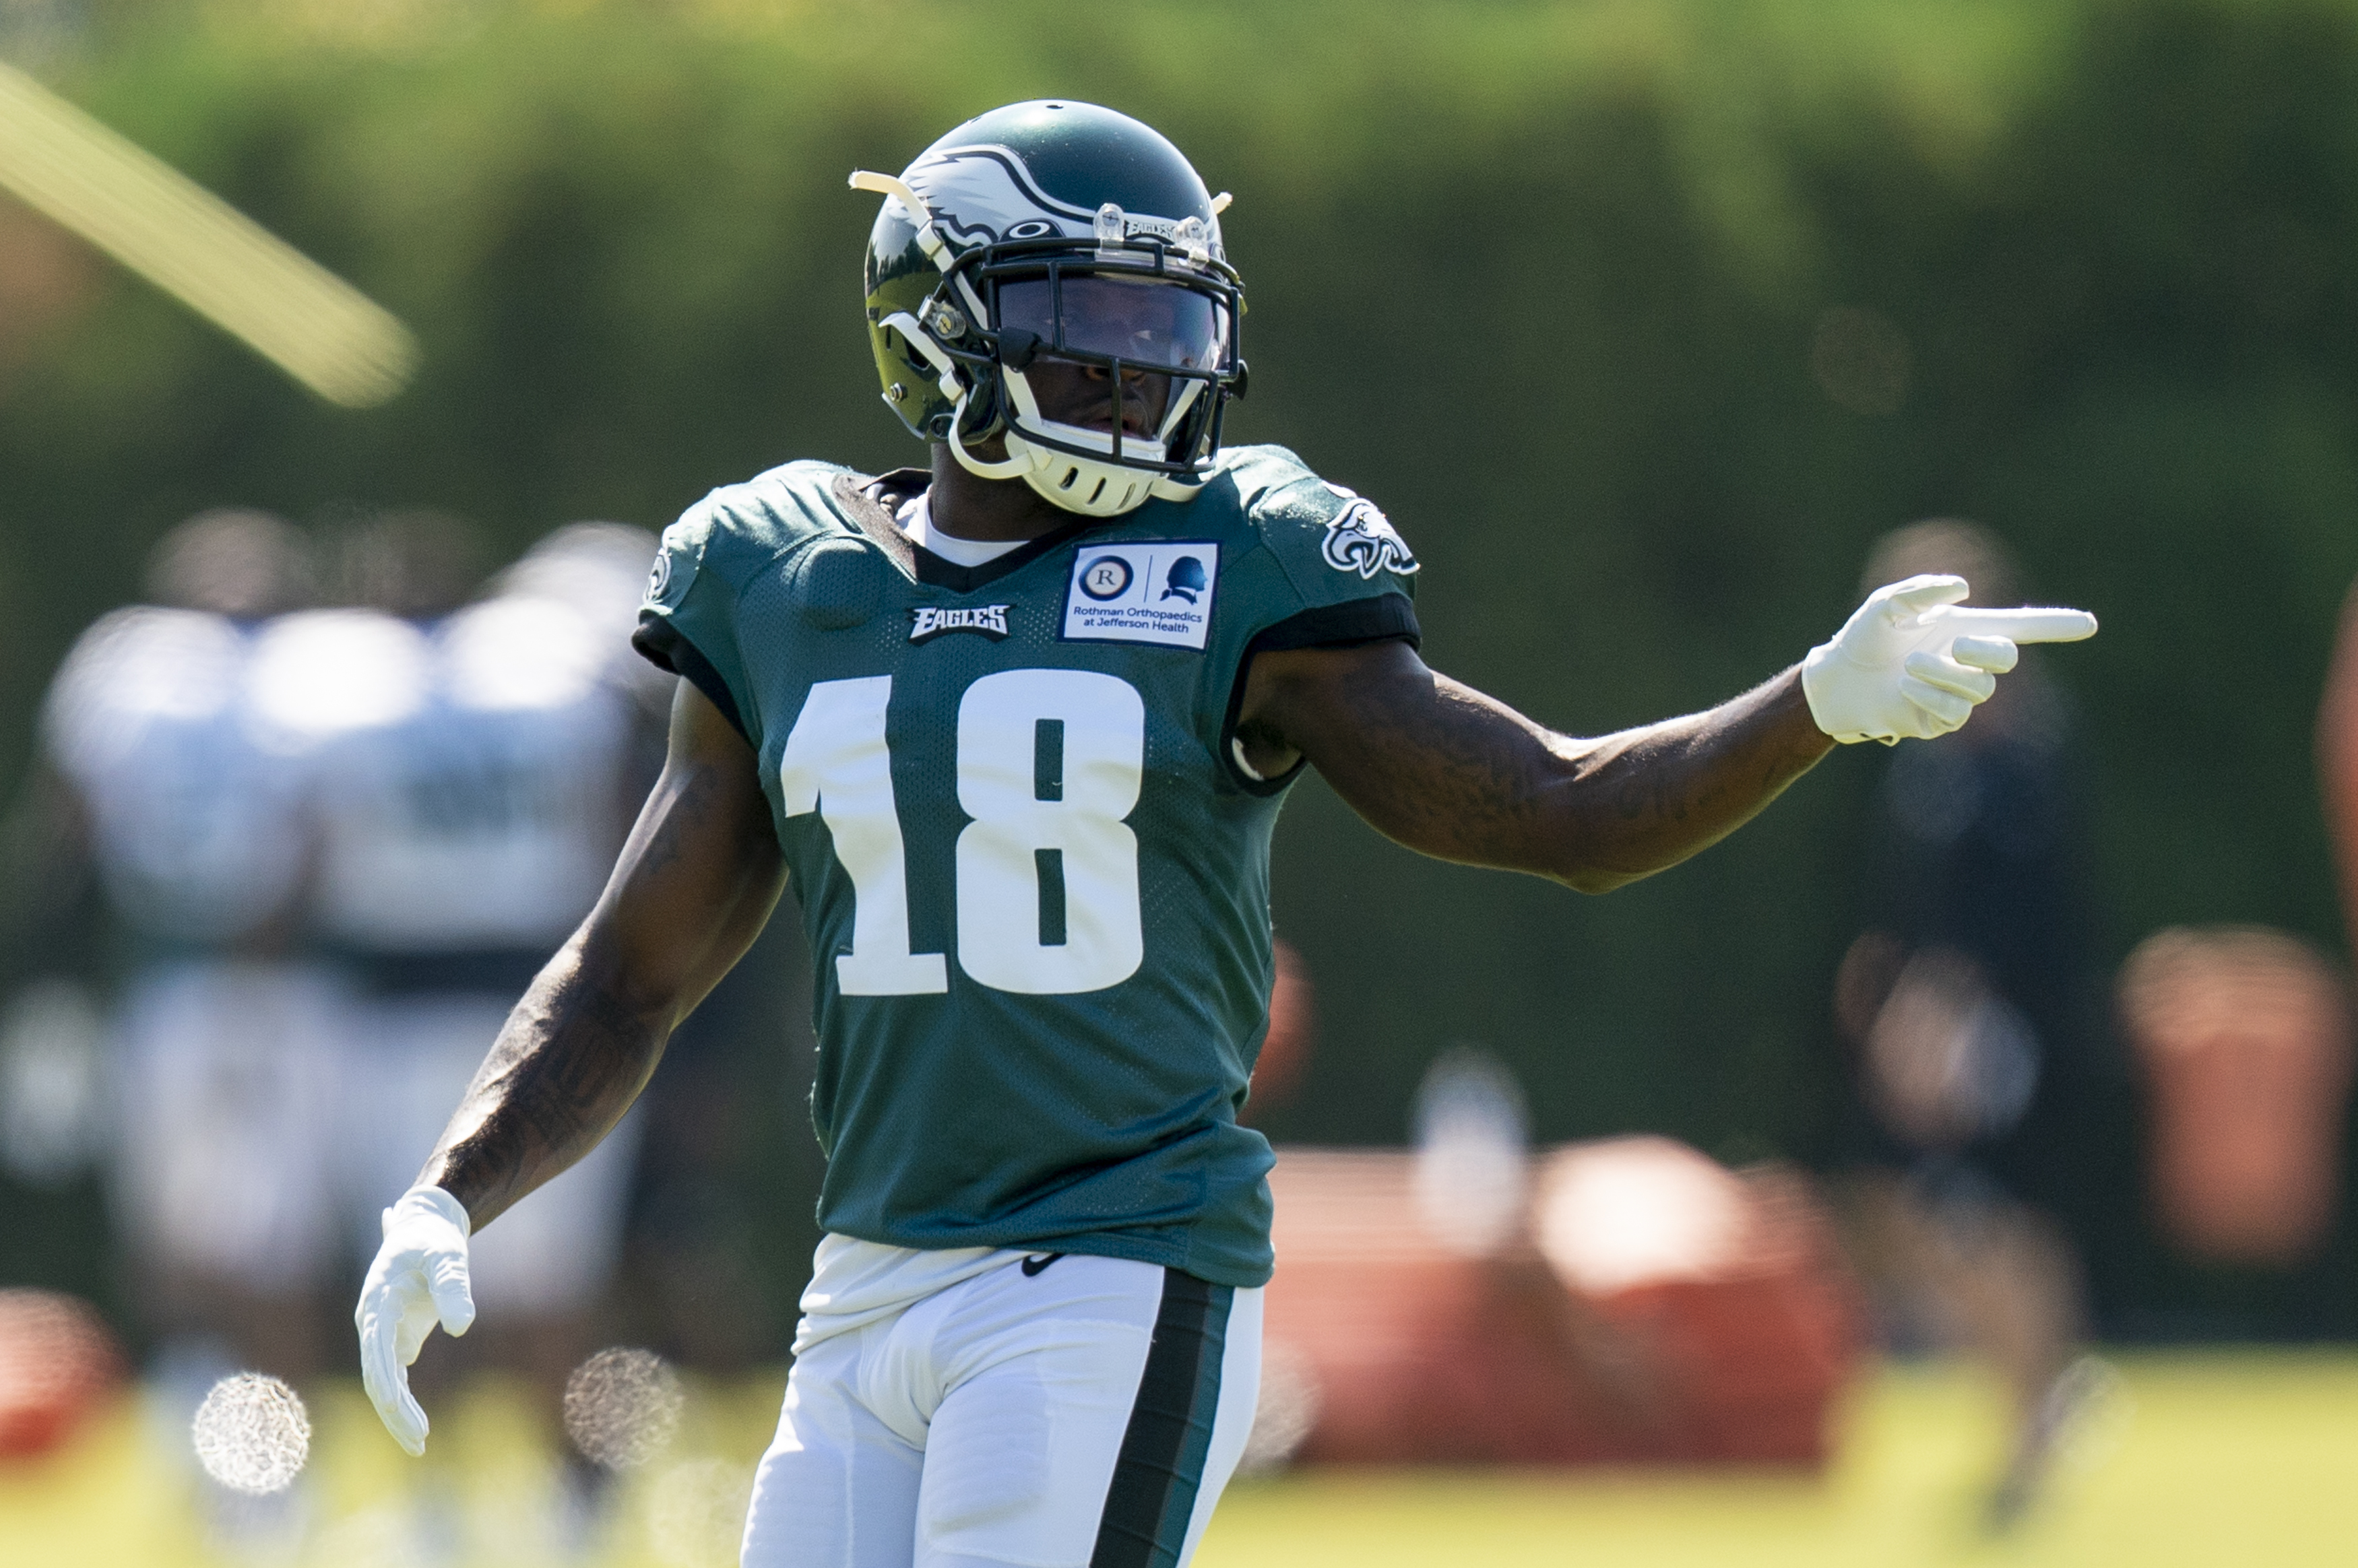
1361,539
981,195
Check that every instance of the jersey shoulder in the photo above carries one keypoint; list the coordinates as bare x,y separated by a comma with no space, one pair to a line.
1331,543
719,547
739,530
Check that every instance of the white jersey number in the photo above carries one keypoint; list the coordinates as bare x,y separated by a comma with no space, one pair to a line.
1049,763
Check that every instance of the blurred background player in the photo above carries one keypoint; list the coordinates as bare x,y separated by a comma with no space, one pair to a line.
1959,998
165,777
474,766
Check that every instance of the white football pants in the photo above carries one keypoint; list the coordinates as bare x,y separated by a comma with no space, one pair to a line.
1075,1412
225,1076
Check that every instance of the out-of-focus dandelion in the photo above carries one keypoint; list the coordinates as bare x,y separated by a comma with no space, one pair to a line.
252,1434
621,1407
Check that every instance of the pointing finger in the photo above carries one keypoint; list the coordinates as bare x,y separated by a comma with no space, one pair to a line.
1995,655
2025,626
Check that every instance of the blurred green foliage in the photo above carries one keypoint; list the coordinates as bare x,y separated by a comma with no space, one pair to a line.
1549,281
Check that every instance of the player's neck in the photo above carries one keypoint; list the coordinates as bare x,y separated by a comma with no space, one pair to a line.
965,506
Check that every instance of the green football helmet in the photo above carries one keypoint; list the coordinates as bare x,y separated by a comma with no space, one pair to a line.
1063,230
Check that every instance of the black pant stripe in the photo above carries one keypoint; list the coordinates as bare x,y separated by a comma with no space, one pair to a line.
1161,1464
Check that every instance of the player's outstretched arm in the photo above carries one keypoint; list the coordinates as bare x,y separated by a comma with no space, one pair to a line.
1443,769
1436,765
696,878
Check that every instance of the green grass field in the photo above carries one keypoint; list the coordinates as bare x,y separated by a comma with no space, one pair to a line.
2208,1459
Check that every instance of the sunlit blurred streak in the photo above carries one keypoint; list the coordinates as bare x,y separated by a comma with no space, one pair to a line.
189,242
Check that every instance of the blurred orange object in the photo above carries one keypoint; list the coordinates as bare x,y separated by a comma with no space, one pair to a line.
1660,1309
1292,1030
2244,1037
58,1364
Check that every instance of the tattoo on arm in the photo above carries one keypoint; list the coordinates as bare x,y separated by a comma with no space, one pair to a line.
563,1069
1447,771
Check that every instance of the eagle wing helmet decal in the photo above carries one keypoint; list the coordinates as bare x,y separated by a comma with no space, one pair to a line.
983,194
980,195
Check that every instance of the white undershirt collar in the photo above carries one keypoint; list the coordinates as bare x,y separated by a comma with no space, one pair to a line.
915,518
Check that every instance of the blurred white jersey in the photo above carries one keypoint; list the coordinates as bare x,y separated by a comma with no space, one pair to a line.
194,816
469,784
467,774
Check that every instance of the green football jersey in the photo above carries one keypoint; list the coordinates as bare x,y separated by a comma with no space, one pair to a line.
1033,874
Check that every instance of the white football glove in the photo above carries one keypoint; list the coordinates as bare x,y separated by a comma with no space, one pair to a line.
419,1278
1909,664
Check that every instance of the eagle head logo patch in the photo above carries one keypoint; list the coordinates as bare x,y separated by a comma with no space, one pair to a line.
1361,539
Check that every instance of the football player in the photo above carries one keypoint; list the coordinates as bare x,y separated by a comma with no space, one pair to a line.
472,770
1018,726
172,780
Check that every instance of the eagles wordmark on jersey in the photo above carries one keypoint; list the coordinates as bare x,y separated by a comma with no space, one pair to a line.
1030,865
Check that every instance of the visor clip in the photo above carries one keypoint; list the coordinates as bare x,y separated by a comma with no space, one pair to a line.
1018,348
1243,376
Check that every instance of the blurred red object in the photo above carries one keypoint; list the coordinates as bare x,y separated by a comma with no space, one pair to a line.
58,1365
2244,1038
1662,1309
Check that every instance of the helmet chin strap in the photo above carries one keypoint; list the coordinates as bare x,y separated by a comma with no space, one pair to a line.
944,371
1019,463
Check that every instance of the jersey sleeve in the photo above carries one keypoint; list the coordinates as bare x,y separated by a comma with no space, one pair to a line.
1327,569
1338,573
687,624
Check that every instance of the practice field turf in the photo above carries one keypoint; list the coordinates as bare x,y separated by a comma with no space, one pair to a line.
2198,1459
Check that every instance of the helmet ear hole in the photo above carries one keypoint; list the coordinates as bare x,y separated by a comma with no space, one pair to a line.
897,343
